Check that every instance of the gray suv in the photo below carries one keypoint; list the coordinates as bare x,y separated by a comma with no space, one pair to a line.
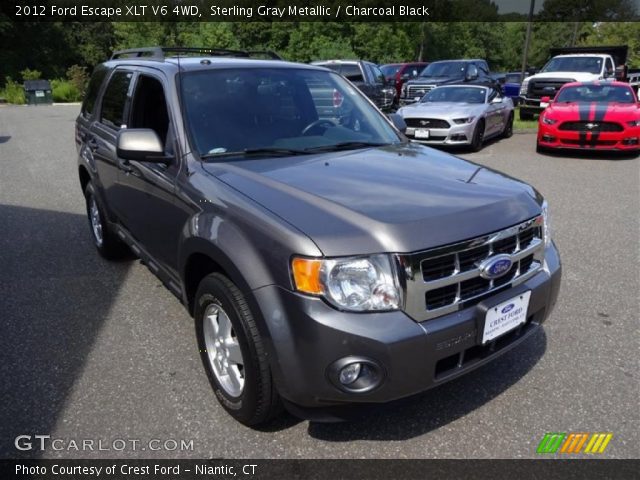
325,259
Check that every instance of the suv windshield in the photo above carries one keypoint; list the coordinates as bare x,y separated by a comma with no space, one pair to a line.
595,93
444,69
574,64
278,111
390,70
455,94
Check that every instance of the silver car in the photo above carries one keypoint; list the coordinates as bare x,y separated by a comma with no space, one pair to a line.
459,115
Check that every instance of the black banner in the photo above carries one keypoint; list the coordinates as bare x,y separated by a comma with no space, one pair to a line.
582,469
317,10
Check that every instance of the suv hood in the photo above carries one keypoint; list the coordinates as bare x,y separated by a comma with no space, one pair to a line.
400,198
434,80
576,76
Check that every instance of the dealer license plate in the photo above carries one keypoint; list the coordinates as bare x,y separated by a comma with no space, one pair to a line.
39,93
544,104
421,133
505,316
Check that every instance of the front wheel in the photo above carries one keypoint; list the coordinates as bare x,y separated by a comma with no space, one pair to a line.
508,128
232,352
524,115
106,241
478,137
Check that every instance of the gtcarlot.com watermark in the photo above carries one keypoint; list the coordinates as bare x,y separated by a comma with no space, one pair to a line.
46,442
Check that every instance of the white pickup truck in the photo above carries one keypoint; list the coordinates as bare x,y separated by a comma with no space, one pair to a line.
575,64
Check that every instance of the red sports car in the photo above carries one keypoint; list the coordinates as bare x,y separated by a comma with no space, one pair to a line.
591,116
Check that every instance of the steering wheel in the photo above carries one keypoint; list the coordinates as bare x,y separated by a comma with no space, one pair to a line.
322,122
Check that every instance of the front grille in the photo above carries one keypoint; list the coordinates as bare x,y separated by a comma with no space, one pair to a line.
589,143
418,90
446,279
591,127
546,87
426,123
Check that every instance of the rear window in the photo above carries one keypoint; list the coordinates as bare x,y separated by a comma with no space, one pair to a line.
115,100
92,90
352,72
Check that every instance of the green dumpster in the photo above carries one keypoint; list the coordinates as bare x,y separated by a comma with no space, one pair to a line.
38,92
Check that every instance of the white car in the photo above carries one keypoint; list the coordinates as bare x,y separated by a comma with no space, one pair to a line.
459,115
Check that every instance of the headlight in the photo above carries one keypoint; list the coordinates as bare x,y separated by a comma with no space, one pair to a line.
357,284
546,226
634,123
549,121
403,90
462,121
524,87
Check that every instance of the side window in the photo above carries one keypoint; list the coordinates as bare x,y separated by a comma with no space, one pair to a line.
149,108
377,74
115,100
608,67
92,90
483,67
352,72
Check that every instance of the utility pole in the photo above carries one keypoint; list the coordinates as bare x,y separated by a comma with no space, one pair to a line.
525,53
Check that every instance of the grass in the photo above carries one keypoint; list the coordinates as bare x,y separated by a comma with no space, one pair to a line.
524,124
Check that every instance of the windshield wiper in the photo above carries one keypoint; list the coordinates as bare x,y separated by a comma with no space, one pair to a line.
247,152
344,146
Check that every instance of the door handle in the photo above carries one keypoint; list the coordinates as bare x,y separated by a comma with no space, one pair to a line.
127,168
92,143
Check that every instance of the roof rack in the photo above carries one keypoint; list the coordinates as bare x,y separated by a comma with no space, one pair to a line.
160,53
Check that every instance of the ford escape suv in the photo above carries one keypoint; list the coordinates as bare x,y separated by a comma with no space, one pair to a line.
325,259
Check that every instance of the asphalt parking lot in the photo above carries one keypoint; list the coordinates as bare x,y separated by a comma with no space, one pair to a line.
99,350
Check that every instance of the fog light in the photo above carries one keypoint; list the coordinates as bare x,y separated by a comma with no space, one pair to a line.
630,141
355,374
350,373
548,138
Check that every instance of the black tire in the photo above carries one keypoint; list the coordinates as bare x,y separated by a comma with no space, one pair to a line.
108,244
258,401
540,149
478,137
508,128
524,115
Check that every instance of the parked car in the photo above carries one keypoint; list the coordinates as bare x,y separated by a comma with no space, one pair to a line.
398,73
591,116
446,72
459,115
568,65
326,261
510,83
367,77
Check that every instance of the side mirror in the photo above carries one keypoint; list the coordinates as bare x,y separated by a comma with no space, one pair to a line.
398,121
405,76
545,99
471,76
140,144
497,100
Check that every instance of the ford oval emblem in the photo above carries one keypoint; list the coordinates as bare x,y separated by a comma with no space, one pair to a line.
495,267
508,308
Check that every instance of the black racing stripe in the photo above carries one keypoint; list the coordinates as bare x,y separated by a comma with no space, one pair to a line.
583,114
599,113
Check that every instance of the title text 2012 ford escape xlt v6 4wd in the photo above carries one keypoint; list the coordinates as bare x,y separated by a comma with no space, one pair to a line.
326,259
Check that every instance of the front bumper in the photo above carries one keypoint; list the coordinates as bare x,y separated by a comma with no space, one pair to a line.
549,136
530,105
305,336
454,135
